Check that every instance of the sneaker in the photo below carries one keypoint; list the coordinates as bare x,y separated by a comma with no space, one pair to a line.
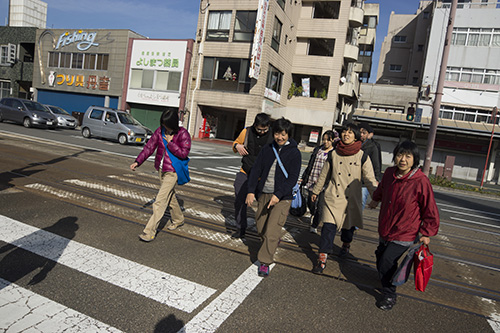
319,268
344,250
387,303
238,234
313,230
264,270
172,226
144,237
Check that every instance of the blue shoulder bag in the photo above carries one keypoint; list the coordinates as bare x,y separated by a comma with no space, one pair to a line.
180,166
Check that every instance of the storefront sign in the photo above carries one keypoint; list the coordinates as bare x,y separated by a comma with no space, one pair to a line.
271,94
258,39
313,137
92,82
83,39
147,54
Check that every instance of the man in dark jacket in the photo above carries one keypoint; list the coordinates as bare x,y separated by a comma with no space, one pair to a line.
248,144
371,148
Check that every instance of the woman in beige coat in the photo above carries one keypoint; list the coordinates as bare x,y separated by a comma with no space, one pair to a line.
341,175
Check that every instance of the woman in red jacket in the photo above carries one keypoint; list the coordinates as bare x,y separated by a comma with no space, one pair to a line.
408,211
178,141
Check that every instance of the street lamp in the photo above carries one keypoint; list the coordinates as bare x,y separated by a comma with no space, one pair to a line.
494,119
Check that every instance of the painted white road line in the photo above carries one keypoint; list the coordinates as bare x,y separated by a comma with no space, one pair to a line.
455,208
221,157
154,284
212,182
214,314
24,311
473,222
221,170
471,215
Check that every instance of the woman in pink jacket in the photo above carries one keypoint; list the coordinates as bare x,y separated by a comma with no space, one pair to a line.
408,214
178,141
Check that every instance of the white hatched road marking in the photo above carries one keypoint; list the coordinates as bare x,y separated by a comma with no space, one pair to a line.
24,311
213,315
222,170
154,284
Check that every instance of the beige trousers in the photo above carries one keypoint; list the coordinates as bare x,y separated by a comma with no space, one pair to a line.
165,198
269,223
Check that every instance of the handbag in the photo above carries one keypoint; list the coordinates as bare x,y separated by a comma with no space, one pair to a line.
424,260
403,272
299,209
180,165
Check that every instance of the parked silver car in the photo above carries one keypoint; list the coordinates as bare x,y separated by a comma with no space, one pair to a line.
64,119
26,112
113,124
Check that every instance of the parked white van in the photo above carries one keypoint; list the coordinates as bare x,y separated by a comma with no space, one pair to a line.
113,124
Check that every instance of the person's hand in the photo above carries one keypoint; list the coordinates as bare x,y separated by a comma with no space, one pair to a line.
133,166
314,197
299,181
373,204
250,199
426,240
241,149
274,200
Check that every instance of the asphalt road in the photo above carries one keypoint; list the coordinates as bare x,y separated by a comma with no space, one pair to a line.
71,210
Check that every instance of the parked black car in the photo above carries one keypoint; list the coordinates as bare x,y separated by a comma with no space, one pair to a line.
26,112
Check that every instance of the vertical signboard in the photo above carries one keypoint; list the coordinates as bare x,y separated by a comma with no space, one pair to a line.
258,39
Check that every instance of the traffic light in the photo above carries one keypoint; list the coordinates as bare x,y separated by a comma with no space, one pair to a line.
410,114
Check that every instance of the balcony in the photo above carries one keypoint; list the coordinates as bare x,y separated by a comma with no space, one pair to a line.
346,89
351,52
356,16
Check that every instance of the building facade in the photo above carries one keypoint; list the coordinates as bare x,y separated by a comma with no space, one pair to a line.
298,60
27,13
74,69
17,51
156,78
471,91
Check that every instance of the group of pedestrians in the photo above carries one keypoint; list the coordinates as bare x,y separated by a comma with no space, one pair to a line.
340,175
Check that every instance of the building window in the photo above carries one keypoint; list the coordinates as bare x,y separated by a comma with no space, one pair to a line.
420,47
326,10
426,15
476,37
225,74
399,39
4,55
364,77
218,26
78,60
282,4
395,68
244,26
275,42
321,47
318,85
366,50
473,75
155,80
274,79
465,114
4,89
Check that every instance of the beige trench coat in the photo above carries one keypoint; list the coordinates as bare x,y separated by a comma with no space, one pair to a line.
343,189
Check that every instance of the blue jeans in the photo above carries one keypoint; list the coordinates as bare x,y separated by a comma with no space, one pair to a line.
328,233
364,196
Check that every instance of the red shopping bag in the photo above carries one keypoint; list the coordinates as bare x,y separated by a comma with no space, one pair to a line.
424,260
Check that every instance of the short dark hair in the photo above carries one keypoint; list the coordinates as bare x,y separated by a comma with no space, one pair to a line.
406,147
262,119
366,126
170,119
354,128
329,134
282,124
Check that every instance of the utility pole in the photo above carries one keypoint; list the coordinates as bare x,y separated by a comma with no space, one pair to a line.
439,91
494,120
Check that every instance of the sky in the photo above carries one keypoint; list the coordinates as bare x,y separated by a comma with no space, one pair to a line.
167,19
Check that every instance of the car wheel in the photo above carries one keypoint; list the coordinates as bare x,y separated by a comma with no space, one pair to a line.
27,122
86,132
122,139
1,119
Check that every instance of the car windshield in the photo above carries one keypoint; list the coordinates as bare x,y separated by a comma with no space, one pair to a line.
35,106
58,110
125,118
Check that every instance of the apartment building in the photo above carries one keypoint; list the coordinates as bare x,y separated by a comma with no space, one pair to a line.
471,87
298,60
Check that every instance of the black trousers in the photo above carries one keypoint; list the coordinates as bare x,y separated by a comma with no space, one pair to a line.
240,207
328,233
388,254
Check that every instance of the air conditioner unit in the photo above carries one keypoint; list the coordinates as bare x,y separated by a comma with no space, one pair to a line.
11,56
